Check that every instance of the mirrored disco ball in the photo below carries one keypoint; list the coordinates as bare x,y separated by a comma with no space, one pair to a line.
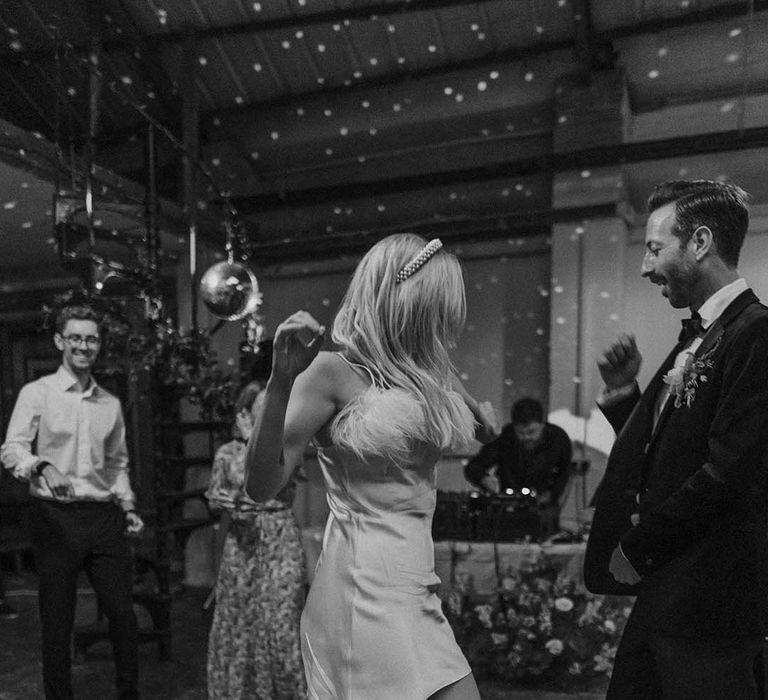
229,290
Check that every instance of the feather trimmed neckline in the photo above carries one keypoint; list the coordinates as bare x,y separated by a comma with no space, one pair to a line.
390,422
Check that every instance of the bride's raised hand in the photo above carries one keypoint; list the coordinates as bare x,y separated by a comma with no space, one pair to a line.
297,341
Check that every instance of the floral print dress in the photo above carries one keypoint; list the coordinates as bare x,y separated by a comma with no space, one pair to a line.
254,651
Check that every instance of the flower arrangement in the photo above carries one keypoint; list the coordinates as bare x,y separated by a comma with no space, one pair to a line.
542,627
687,374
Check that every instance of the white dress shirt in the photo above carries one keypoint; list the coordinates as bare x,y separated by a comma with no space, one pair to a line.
81,433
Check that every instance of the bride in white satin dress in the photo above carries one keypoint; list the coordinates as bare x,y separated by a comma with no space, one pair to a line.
380,411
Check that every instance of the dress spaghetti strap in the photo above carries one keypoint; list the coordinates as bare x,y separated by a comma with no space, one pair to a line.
359,366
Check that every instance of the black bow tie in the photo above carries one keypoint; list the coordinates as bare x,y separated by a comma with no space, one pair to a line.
691,329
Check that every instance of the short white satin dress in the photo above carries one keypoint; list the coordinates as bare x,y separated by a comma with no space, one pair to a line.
372,627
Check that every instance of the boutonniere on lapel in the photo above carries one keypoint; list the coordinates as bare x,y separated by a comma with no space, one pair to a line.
688,374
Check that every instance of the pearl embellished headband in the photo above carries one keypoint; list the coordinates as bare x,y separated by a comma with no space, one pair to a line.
419,260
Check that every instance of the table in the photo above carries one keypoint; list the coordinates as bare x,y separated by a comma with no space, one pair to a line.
478,561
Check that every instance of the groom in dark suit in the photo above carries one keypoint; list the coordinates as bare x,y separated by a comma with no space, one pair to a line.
681,515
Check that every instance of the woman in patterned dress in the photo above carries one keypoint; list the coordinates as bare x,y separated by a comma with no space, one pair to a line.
254,650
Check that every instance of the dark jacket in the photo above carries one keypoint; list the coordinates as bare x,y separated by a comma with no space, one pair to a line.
546,468
701,481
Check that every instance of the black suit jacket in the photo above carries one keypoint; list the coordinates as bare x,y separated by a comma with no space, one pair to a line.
701,479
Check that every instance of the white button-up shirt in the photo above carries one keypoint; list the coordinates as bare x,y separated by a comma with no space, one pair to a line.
81,433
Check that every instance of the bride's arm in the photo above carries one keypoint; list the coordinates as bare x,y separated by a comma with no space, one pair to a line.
298,401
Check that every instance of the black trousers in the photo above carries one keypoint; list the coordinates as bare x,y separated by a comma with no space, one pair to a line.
68,538
652,666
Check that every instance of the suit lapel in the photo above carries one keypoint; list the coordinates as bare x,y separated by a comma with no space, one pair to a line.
652,393
712,338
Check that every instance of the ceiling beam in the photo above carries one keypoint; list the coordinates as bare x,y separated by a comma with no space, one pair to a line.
545,164
521,224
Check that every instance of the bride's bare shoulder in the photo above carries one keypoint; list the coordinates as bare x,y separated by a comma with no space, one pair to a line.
332,367
341,378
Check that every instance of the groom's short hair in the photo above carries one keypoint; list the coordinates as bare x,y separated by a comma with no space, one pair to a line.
719,206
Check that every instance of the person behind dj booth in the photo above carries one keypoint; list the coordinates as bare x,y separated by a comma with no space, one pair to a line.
529,453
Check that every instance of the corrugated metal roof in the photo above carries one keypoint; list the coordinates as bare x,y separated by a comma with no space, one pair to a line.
307,96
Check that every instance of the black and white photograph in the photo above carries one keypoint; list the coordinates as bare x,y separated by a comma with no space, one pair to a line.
384,350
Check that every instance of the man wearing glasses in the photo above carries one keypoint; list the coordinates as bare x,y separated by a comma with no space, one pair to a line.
67,438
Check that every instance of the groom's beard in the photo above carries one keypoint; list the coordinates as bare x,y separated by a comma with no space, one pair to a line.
679,280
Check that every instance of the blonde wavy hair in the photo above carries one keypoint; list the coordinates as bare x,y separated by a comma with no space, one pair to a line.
403,332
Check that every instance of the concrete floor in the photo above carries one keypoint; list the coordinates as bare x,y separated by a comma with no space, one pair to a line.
182,678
